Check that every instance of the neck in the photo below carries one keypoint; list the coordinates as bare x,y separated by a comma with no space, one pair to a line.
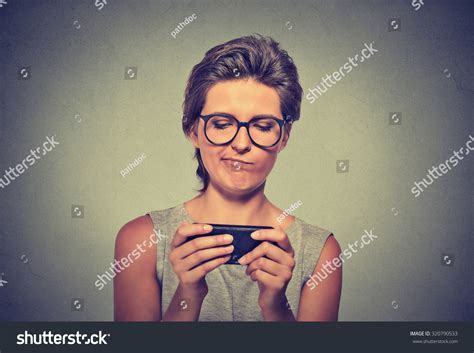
216,206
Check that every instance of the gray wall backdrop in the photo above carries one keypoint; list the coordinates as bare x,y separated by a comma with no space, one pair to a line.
76,89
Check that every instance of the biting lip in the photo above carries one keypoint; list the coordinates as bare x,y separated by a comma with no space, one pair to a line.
237,160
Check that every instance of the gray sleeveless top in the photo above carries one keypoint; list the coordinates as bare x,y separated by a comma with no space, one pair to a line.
232,295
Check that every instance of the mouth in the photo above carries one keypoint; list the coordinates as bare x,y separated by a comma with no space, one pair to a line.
232,160
235,165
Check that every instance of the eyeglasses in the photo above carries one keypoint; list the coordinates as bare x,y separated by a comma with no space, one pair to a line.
221,129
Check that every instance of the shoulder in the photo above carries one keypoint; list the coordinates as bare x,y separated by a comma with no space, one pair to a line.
319,241
331,248
136,289
140,229
167,215
312,233
133,232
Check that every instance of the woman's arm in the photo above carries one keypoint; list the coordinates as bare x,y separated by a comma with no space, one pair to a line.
137,294
191,262
322,302
185,304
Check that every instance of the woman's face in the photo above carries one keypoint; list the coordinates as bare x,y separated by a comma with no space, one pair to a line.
243,99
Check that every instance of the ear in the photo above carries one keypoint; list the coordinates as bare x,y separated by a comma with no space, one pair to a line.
286,137
193,136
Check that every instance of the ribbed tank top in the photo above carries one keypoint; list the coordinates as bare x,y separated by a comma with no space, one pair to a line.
232,295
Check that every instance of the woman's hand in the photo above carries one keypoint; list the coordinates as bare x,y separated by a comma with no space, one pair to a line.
193,260
272,267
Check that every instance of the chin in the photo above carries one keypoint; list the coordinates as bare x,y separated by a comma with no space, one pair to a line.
241,187
237,183
235,187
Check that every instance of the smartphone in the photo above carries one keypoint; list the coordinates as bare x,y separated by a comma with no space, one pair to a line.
242,242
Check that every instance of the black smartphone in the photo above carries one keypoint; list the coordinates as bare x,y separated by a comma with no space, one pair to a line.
242,242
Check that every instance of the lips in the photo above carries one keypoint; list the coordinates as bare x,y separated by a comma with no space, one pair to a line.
236,160
236,165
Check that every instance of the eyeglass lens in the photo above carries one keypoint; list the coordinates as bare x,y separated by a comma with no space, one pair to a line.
221,129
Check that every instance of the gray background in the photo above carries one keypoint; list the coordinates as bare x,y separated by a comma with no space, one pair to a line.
81,72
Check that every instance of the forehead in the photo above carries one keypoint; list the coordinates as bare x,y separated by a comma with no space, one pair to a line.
242,98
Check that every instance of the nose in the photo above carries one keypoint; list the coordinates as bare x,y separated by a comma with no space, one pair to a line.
242,142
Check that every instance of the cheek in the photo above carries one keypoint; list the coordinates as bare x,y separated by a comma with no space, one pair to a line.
264,166
211,155
208,157
268,161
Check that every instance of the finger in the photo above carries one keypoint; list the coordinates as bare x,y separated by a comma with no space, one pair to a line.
271,251
270,267
276,235
200,243
186,230
202,256
202,270
265,278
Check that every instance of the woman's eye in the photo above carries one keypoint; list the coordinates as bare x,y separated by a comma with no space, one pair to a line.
263,128
221,126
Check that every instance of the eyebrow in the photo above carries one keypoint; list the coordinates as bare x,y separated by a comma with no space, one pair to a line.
253,117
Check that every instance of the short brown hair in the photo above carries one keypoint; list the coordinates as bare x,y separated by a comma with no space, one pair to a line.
254,56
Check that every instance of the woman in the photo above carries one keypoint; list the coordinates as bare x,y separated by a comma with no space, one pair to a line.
240,103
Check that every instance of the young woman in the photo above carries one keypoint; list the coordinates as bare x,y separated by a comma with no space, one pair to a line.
240,103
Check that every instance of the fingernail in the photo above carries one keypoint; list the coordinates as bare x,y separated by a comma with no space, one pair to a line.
241,260
228,237
207,227
255,235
